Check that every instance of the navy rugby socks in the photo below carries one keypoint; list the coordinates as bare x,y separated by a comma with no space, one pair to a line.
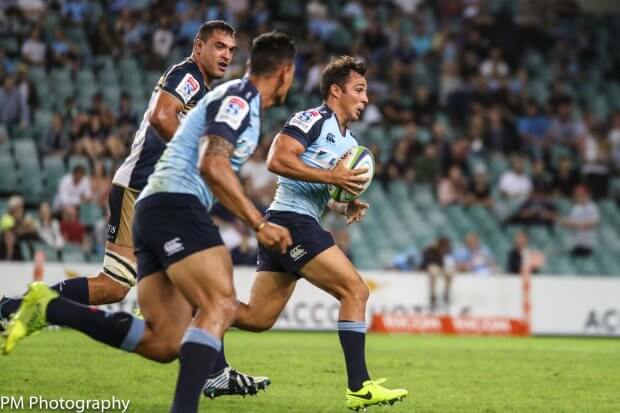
353,339
117,329
199,348
75,289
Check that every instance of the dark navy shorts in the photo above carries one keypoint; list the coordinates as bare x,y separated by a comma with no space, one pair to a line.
309,240
169,227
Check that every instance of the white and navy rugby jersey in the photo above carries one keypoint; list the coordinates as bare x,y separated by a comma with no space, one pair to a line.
185,82
231,111
318,130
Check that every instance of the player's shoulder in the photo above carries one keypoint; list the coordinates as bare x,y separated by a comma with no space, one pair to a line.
232,101
307,119
186,80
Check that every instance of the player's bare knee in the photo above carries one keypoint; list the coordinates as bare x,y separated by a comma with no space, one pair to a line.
357,291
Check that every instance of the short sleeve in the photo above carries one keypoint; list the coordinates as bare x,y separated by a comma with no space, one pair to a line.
228,117
183,84
304,127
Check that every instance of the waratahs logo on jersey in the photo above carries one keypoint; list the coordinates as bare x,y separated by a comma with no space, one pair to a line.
304,120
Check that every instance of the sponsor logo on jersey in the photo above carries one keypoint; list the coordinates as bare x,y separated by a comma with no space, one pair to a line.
173,246
297,252
232,111
187,87
305,120
330,138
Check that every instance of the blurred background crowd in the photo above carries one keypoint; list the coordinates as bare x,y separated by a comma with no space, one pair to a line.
495,124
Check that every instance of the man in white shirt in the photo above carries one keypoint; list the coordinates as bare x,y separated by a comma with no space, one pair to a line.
583,221
515,183
73,189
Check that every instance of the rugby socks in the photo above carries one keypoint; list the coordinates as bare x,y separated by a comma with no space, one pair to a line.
75,289
117,329
199,349
353,339
220,362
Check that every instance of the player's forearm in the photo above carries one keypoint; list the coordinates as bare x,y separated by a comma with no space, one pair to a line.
226,187
291,166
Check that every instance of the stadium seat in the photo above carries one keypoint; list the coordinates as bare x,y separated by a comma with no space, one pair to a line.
73,253
9,176
25,151
75,160
90,213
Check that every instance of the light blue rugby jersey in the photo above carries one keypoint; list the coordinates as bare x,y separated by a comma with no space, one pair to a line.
317,129
231,111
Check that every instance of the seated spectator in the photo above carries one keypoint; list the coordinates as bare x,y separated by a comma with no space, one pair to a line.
33,49
439,264
596,156
479,190
521,254
13,109
400,166
583,221
614,139
428,166
532,128
100,184
55,141
63,51
566,129
72,230
408,260
48,227
73,189
424,107
515,184
500,134
494,69
126,113
538,209
452,189
261,181
474,258
539,174
395,110
565,178
15,226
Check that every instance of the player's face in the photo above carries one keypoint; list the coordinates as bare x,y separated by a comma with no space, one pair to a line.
288,75
216,53
354,98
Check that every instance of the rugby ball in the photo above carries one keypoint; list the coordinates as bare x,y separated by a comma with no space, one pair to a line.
360,157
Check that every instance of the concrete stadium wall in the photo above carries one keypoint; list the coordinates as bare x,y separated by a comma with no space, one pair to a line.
561,305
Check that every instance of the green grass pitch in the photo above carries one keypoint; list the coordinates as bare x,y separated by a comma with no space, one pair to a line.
442,374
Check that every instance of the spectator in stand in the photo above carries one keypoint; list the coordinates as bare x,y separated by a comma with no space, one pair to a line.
515,184
499,135
100,184
424,107
400,166
162,40
521,254
103,39
582,221
565,178
73,189
539,174
48,227
396,111
262,183
15,226
538,209
474,258
63,51
34,49
428,166
494,69
55,141
73,231
533,127
126,113
479,191
596,155
614,140
13,110
452,189
566,129
438,263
